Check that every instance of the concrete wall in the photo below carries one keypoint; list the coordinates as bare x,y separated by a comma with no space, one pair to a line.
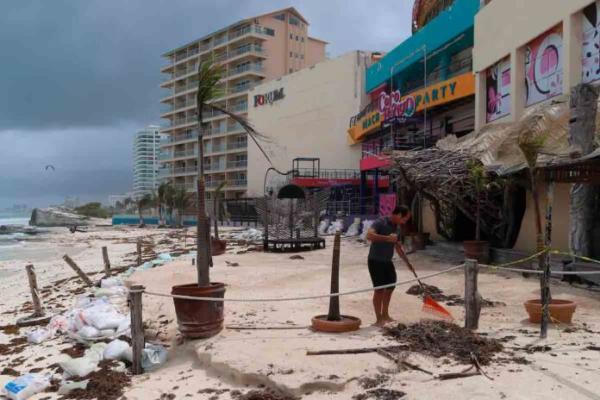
315,51
560,220
311,120
504,27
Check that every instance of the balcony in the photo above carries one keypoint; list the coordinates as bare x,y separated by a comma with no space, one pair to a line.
246,31
184,120
185,154
245,68
239,108
183,88
238,145
237,164
182,137
237,183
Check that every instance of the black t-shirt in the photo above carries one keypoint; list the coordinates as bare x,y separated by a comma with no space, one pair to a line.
383,251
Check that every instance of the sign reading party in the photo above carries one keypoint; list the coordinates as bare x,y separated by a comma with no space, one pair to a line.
268,98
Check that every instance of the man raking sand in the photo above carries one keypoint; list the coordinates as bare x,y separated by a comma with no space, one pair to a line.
383,236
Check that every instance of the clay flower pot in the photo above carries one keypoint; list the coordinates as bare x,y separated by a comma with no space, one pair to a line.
560,310
217,247
346,324
197,318
477,250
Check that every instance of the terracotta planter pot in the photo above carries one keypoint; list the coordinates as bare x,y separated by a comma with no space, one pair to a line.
477,250
217,247
419,240
347,324
197,318
560,310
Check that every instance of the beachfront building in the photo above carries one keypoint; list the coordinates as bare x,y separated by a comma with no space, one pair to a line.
527,54
146,149
421,91
304,116
252,51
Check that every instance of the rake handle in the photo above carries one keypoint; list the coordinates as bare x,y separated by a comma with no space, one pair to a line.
409,265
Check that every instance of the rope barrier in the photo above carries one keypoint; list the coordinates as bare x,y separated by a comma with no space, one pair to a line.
322,296
562,253
537,271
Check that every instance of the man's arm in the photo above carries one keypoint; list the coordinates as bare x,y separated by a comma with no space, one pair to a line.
373,236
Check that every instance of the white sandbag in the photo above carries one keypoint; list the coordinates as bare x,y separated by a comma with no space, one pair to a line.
103,316
111,282
116,350
154,356
68,386
88,332
366,225
354,229
338,225
58,323
78,366
26,386
323,225
166,257
96,351
124,327
111,292
39,335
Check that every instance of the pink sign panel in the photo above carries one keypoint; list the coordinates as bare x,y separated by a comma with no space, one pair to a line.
387,203
543,67
590,52
498,90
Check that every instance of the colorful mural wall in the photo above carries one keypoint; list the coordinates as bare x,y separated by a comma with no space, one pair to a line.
498,90
543,67
591,43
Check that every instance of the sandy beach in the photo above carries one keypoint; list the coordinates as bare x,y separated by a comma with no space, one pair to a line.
242,361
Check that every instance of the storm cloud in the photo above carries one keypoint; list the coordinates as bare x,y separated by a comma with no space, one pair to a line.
79,77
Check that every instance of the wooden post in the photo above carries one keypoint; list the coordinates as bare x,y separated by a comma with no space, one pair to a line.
137,328
334,302
139,251
545,282
76,268
106,261
37,305
472,296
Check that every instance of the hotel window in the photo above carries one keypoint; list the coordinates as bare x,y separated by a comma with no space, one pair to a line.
291,54
291,36
302,39
302,56
297,38
269,31
280,17
294,21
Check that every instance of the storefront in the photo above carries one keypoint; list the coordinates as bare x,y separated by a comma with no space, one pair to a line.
419,92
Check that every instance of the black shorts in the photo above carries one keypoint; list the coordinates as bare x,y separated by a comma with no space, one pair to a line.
382,272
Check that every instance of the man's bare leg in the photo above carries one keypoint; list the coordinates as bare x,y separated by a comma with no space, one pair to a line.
387,297
378,297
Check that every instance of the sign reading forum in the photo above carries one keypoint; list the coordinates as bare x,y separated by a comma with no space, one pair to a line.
268,98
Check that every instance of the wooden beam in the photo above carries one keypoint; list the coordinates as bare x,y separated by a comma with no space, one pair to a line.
137,328
78,270
37,305
472,296
106,261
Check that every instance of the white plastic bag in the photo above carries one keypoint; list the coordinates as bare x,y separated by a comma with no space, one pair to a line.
354,228
111,282
338,225
26,386
116,350
88,332
154,355
323,225
58,323
78,366
39,335
366,225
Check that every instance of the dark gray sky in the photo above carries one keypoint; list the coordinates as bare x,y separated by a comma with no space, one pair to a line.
79,77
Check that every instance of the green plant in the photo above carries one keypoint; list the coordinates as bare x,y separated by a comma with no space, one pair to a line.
161,200
180,200
94,210
142,203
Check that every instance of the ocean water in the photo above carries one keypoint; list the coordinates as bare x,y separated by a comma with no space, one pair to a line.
12,244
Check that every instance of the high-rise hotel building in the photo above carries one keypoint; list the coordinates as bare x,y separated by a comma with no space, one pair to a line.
252,51
146,160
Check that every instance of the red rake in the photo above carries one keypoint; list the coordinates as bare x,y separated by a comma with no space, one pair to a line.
429,304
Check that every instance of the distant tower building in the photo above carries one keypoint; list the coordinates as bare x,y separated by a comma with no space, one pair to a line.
145,160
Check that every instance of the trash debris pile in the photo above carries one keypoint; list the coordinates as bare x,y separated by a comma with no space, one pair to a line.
452,300
159,260
248,235
444,339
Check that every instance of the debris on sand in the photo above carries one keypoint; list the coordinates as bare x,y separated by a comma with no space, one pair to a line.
370,383
440,339
260,395
451,300
380,394
10,329
105,383
296,257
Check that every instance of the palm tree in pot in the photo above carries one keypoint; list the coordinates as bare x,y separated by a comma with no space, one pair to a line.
200,319
161,198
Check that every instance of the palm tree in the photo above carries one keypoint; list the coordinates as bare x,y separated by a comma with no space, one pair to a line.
161,200
209,75
180,200
142,203
127,203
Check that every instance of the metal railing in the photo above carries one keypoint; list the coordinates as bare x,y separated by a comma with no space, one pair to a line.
235,146
240,107
185,153
183,136
245,68
326,173
237,164
237,182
